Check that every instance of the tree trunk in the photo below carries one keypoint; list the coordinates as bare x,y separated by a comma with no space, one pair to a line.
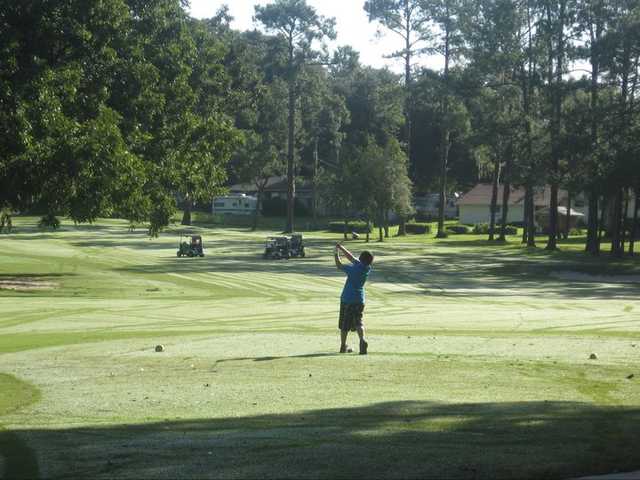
443,183
506,192
602,226
593,229
531,217
446,133
402,229
291,187
315,184
256,213
345,228
567,225
625,213
552,243
368,228
634,224
402,226
525,223
592,225
555,82
615,224
386,224
494,201
380,227
186,215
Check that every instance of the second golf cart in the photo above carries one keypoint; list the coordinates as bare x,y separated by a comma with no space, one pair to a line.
193,248
276,248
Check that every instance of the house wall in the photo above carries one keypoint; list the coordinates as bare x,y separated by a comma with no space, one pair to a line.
472,214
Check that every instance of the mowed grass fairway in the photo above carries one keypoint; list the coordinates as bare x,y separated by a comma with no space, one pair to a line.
478,367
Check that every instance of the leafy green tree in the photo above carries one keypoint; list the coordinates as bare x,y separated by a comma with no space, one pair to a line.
593,20
262,153
407,19
299,25
494,30
115,108
323,113
445,16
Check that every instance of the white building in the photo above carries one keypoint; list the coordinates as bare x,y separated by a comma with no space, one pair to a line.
234,204
475,205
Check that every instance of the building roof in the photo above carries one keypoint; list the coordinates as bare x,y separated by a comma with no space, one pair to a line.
481,195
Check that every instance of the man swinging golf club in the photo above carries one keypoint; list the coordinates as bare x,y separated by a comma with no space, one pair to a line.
353,296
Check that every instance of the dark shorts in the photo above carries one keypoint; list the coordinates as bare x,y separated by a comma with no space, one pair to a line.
350,316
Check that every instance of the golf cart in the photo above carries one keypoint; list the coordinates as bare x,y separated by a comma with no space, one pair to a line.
276,248
297,246
194,248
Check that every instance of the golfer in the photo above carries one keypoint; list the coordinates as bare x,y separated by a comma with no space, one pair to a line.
352,298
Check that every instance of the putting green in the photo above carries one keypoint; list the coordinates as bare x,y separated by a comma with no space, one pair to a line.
479,359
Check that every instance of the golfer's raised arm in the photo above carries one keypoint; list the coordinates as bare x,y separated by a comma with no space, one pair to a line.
336,257
347,253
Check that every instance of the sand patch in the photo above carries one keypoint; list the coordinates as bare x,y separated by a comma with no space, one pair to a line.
585,277
26,284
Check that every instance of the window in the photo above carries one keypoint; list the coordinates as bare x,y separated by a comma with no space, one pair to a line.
218,204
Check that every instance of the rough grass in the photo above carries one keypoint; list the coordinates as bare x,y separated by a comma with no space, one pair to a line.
479,363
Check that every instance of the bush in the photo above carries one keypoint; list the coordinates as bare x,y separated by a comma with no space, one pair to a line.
575,232
277,207
424,217
458,229
354,226
49,221
483,228
418,228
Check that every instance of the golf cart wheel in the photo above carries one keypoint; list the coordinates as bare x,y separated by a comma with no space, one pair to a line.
178,254
189,254
201,255
302,254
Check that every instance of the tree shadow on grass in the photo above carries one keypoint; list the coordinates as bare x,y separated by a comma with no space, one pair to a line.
509,274
459,273
404,439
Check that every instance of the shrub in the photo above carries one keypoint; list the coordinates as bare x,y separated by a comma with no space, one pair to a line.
424,217
49,221
458,229
353,226
483,228
277,207
575,232
418,228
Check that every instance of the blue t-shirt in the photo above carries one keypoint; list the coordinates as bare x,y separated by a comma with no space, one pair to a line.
353,291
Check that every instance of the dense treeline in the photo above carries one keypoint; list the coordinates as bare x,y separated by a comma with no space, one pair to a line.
126,107
111,108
